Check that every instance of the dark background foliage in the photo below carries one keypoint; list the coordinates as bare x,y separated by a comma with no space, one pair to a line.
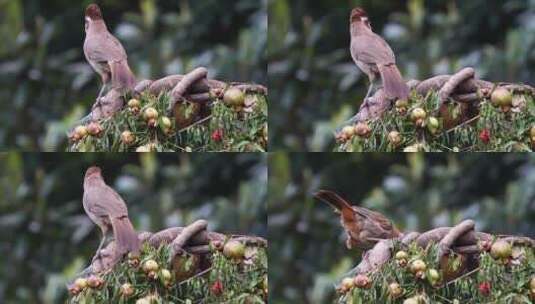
318,86
46,238
417,191
46,84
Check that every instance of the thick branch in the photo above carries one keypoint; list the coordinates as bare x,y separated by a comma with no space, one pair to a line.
177,94
451,85
177,246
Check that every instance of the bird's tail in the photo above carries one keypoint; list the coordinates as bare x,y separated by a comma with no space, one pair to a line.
394,85
337,202
126,239
122,77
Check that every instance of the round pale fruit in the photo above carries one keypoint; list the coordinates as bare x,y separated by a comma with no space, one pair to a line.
402,103
81,283
234,97
418,114
362,129
532,283
80,131
150,265
166,275
134,103
166,122
234,250
502,98
348,131
418,265
347,284
128,138
395,290
150,113
394,137
501,250
532,132
413,300
402,255
127,289
362,281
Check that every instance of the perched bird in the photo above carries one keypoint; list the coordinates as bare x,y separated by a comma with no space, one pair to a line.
106,54
363,227
108,211
374,57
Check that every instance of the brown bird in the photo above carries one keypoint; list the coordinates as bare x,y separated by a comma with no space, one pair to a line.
106,54
363,227
108,211
374,57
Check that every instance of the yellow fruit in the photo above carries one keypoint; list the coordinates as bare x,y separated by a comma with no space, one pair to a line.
128,138
234,250
348,131
401,255
150,265
433,276
532,132
418,114
433,125
412,300
234,97
80,131
501,250
166,122
150,113
402,103
166,275
532,283
134,103
347,284
81,283
502,98
418,265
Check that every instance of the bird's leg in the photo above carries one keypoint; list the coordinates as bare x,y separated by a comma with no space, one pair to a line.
370,89
104,237
102,90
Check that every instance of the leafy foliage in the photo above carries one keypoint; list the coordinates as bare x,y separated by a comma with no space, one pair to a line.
492,281
491,129
226,280
225,128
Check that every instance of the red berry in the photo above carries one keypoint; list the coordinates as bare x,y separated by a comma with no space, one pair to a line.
485,136
217,135
217,288
484,288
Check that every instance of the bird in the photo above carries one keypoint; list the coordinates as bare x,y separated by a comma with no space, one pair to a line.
363,227
106,54
372,54
108,211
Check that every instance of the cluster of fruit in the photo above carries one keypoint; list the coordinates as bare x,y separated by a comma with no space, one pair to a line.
500,251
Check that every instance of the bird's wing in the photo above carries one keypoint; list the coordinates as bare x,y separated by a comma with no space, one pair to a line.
104,201
376,217
104,48
372,49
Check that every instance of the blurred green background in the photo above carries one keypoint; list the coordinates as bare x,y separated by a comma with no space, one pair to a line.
418,192
317,86
46,238
46,84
